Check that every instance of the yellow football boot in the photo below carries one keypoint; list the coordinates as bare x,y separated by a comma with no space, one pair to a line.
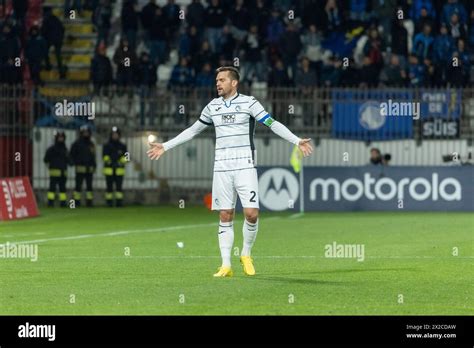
247,263
224,272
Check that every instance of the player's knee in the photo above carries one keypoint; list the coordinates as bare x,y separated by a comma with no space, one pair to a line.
226,215
251,216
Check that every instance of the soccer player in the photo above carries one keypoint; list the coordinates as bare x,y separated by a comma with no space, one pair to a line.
233,115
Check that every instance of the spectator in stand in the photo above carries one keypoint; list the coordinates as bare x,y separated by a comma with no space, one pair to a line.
146,16
205,55
349,76
226,44
189,43
260,15
399,43
311,41
278,80
464,65
358,10
195,14
423,44
331,71
182,74
275,29
443,48
53,32
146,72
373,51
130,22
171,13
454,7
306,81
368,73
394,75
416,71
101,70
332,16
215,19
253,63
383,11
424,19
36,52
9,52
240,19
290,48
457,73
126,61
417,7
101,19
158,39
456,29
278,76
206,77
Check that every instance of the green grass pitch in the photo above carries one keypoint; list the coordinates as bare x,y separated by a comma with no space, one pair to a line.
81,259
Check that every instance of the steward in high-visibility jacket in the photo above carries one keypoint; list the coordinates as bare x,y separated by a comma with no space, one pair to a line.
115,157
83,156
57,158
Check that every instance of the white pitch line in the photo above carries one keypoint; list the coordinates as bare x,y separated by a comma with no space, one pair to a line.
297,215
256,257
116,233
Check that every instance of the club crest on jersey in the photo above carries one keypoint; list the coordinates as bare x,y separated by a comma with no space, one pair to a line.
237,108
228,118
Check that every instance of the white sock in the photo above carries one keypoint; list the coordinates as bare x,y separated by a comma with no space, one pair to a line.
250,233
226,240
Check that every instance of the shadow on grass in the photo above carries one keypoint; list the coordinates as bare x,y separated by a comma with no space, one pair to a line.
281,276
296,280
355,270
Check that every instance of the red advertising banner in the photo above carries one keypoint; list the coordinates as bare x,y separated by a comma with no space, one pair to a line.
17,200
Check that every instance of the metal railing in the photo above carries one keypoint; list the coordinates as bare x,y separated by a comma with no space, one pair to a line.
28,117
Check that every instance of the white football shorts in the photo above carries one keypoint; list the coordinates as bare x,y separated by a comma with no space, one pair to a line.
227,184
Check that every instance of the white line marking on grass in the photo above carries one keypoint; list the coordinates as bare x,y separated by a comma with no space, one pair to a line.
116,233
256,257
297,215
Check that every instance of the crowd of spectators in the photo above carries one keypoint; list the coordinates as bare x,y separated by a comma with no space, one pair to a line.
282,42
22,46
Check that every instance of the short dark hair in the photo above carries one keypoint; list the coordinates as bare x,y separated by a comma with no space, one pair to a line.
233,72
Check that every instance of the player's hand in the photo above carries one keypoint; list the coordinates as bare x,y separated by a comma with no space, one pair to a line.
305,147
156,151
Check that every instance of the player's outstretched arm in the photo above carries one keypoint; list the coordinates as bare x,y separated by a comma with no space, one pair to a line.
158,149
282,131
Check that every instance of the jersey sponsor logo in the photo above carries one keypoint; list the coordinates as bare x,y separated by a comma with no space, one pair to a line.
228,118
279,189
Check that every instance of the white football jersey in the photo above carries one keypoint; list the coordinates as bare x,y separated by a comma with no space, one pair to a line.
234,121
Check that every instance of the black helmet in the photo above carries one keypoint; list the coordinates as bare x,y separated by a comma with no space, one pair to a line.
115,130
84,128
59,133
